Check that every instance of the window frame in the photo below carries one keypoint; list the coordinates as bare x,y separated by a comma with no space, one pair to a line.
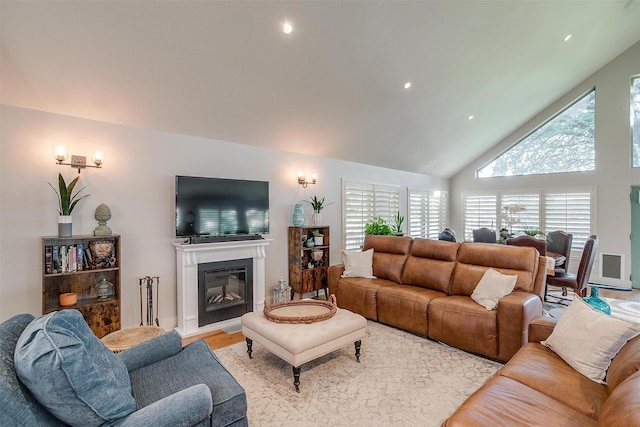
635,144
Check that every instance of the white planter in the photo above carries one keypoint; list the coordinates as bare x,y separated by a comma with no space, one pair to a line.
318,240
64,226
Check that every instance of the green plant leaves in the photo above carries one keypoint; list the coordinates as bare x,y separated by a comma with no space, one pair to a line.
67,200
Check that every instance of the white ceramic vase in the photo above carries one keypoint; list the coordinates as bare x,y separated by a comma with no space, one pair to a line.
64,226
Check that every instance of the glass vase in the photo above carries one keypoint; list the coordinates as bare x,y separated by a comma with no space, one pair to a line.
598,303
298,215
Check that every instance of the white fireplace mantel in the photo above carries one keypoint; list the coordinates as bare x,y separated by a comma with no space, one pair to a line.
188,256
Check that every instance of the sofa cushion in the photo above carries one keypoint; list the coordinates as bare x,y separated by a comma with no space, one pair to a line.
622,408
460,322
624,364
536,366
70,372
358,263
430,264
502,401
493,286
390,254
588,339
476,258
195,364
405,307
19,406
359,295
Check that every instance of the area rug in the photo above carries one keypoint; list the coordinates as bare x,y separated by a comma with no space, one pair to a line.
622,309
402,379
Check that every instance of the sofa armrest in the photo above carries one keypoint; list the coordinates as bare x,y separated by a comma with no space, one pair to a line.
541,327
152,351
335,272
187,407
515,312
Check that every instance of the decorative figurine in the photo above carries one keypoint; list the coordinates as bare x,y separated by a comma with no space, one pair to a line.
102,215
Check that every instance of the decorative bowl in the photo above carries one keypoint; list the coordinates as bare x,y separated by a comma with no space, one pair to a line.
68,299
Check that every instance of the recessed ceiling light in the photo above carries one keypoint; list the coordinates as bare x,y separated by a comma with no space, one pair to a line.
567,38
407,85
471,116
287,28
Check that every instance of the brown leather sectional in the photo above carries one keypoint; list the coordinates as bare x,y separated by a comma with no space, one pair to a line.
424,286
537,388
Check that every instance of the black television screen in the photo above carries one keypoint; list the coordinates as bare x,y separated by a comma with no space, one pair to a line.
217,206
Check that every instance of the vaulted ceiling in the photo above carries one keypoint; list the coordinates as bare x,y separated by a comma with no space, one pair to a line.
333,87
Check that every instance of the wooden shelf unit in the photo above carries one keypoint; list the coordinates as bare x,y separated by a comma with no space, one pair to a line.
102,316
302,277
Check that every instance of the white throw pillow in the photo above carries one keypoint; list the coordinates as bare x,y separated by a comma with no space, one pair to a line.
358,263
588,339
493,286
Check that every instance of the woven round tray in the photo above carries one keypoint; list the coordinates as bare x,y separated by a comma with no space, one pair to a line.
301,311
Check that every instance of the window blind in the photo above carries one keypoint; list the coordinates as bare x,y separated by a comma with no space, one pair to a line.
427,213
362,202
480,210
570,212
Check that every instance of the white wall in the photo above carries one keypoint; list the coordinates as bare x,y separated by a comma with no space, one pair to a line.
137,183
613,176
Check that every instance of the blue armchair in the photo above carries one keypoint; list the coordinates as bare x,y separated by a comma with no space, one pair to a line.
170,385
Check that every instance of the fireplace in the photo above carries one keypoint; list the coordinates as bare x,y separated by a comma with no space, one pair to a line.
225,290
194,260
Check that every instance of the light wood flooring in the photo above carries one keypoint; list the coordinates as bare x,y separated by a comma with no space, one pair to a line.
219,339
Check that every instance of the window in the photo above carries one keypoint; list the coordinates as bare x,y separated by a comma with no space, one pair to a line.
571,211
427,213
361,203
635,120
479,211
566,143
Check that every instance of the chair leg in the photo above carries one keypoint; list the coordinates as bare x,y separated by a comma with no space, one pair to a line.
564,291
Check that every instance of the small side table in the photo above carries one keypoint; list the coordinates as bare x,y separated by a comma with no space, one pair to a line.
126,338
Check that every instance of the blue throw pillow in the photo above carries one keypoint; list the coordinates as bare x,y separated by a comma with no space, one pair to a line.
71,373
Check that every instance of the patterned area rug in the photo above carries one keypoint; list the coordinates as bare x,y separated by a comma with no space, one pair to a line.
402,380
622,309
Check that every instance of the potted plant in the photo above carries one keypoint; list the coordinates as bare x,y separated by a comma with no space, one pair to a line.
377,225
317,205
67,200
318,237
396,228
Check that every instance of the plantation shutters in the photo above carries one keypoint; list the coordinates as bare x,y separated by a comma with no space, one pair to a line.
361,203
479,211
570,212
528,220
427,213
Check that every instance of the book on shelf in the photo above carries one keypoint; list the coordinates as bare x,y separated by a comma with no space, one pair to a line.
48,259
78,257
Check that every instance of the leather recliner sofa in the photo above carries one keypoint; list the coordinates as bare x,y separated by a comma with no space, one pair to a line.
424,286
537,388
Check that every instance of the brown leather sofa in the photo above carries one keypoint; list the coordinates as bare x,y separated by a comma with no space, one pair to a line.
537,388
425,286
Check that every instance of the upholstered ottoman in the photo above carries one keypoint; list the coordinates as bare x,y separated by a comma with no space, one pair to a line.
298,343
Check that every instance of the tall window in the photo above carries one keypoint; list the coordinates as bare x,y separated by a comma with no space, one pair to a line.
479,211
362,202
571,211
566,143
427,213
635,120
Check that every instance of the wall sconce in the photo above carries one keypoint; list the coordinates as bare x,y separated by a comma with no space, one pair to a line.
61,153
303,181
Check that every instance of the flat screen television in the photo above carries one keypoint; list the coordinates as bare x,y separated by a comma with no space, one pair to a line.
219,206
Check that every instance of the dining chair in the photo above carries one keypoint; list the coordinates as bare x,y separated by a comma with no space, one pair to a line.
559,247
578,282
525,240
484,235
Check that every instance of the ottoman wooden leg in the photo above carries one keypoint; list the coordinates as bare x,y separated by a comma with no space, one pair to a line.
296,378
249,347
358,344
